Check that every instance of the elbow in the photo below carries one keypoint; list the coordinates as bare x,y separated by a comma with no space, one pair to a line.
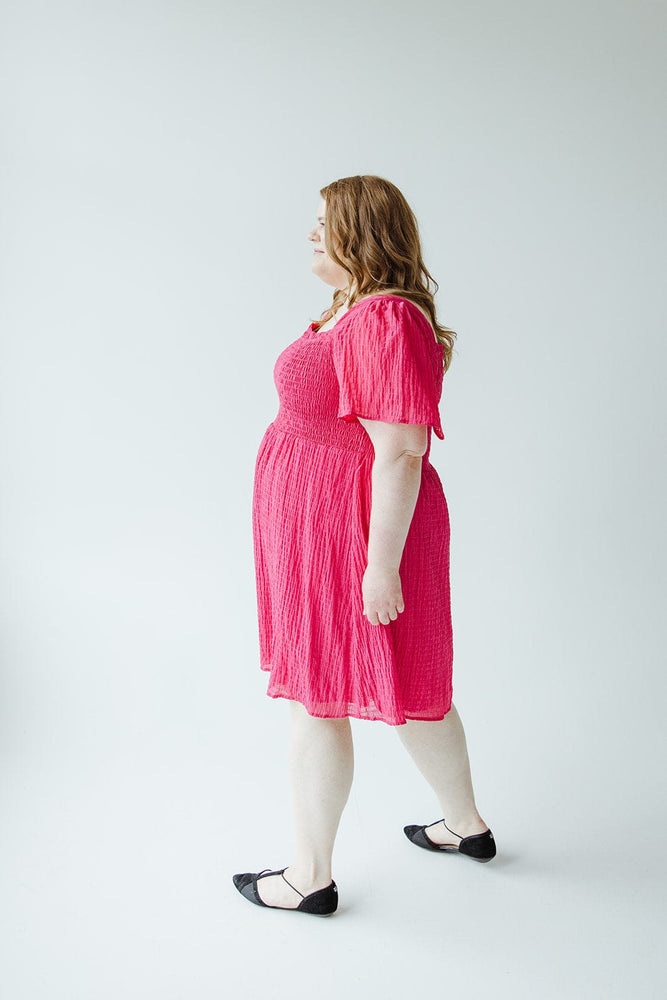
416,442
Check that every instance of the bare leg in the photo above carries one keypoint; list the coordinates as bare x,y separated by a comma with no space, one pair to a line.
321,760
439,750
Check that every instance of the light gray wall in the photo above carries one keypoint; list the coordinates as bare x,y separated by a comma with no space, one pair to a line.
161,169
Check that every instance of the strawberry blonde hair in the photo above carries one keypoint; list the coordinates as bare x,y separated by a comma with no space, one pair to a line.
372,233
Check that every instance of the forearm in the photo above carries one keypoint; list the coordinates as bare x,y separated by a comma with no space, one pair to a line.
395,487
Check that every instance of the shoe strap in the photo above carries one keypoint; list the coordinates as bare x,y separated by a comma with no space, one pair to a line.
290,884
451,831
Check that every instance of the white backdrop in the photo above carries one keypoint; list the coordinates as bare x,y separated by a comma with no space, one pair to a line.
160,172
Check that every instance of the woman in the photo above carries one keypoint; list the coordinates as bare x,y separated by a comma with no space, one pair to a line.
351,540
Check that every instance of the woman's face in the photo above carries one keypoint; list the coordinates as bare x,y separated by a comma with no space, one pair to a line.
323,266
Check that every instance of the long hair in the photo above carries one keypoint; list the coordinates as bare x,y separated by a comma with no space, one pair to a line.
372,233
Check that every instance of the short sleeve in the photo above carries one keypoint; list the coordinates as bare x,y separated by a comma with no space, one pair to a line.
388,365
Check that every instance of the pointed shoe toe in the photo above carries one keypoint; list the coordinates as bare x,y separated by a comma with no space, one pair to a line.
246,883
418,836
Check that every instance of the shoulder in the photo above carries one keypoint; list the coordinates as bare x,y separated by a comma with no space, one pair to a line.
396,309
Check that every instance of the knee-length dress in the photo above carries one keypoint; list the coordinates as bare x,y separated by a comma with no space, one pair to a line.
310,518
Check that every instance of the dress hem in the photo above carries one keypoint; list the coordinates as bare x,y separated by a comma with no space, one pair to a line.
353,715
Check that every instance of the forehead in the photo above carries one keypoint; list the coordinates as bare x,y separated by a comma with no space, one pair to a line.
321,208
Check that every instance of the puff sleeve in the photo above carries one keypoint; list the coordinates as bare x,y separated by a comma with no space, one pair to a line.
388,365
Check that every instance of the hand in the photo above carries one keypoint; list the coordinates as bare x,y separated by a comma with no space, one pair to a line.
382,594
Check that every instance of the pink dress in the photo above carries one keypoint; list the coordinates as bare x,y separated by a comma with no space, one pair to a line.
310,517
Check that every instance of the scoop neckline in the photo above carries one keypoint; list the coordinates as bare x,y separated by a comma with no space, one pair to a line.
371,298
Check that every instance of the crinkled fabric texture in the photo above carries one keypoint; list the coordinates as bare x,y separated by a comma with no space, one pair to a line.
310,518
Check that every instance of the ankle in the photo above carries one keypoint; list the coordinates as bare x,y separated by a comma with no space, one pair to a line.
308,875
466,825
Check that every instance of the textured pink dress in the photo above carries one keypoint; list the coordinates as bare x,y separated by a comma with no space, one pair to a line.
311,512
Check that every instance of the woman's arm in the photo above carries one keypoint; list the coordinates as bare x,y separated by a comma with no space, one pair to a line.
396,477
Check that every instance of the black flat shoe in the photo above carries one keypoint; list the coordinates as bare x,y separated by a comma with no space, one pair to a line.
322,902
480,847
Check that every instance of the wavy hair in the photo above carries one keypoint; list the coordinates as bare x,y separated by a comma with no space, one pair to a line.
372,233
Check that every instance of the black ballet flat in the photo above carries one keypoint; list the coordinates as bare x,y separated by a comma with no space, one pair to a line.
322,902
480,846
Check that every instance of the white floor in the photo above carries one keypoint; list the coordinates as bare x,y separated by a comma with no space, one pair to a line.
117,865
